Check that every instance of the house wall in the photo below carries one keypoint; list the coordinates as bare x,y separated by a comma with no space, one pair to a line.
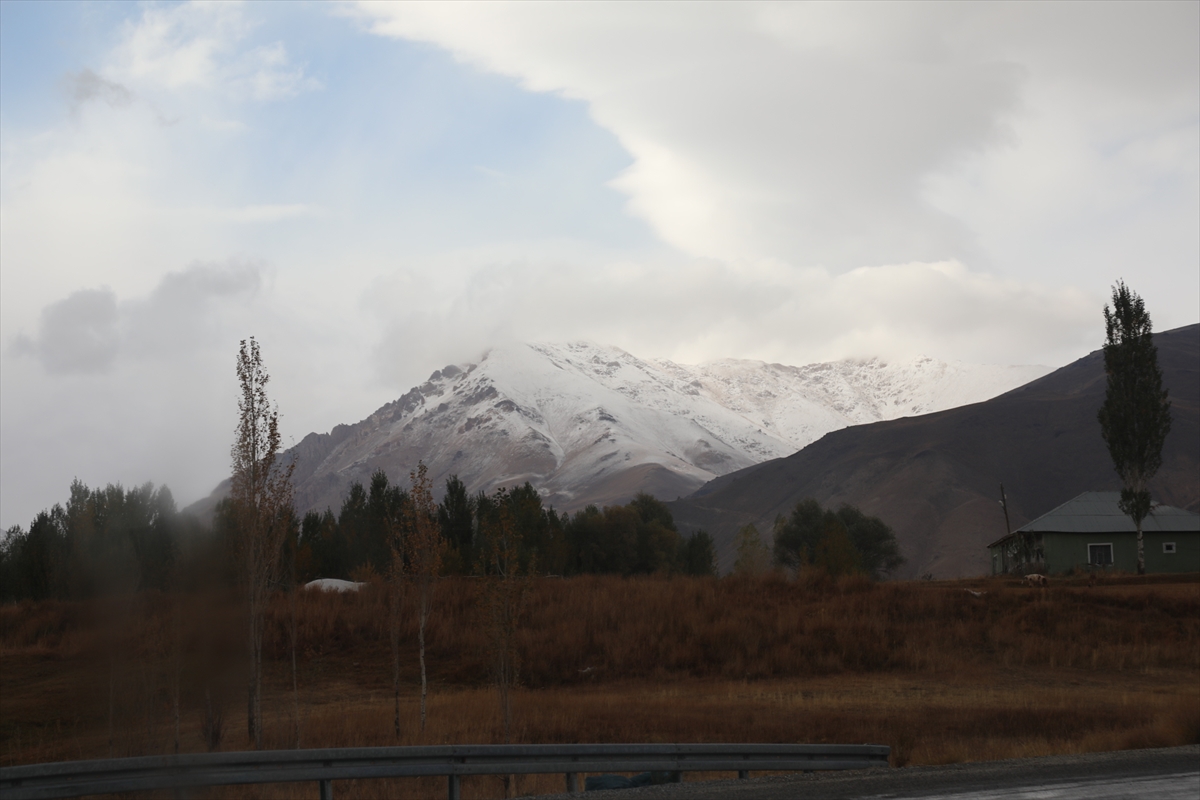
1185,559
1065,551
1017,554
999,564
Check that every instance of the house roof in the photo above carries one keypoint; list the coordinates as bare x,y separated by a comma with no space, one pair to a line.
1098,512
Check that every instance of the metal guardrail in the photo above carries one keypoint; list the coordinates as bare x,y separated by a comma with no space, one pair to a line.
77,778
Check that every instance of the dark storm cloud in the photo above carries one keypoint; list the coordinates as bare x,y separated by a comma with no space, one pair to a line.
86,86
87,331
77,334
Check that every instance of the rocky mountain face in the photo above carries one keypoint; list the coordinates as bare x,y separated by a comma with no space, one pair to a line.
935,479
591,424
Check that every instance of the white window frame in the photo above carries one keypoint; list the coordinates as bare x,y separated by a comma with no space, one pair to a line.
1169,548
1111,554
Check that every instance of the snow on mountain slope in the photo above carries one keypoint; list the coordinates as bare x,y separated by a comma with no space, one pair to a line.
587,423
802,404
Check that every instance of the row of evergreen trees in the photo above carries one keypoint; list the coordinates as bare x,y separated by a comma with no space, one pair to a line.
111,539
637,538
102,540
117,539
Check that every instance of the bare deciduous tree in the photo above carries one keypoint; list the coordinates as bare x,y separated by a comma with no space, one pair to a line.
425,546
505,591
293,588
396,575
261,498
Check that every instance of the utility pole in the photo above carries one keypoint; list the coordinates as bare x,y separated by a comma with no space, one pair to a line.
1004,505
1007,528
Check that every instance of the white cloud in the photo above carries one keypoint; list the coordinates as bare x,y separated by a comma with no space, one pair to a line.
179,46
858,134
749,140
136,182
202,45
703,310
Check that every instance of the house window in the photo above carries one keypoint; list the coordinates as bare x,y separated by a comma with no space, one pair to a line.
1168,547
1100,555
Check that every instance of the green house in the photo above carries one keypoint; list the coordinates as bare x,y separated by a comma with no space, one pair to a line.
1091,532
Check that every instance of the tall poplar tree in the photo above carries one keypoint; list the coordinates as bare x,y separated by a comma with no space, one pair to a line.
425,545
1136,415
397,543
505,590
261,498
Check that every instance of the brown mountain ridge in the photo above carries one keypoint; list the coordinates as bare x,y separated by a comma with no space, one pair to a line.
935,479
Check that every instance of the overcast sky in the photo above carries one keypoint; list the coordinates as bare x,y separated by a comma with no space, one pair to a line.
375,191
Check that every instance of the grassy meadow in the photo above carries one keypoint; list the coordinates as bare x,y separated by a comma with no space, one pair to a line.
942,672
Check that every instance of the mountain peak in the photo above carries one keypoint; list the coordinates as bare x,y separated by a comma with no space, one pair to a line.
592,423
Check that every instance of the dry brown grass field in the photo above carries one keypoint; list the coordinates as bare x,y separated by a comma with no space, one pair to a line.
929,668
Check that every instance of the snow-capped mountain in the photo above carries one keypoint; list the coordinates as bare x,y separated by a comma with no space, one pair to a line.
592,424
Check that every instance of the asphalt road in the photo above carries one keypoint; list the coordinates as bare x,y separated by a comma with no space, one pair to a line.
1165,774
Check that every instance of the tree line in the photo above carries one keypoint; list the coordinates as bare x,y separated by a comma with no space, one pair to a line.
639,537
103,539
838,542
114,538
100,541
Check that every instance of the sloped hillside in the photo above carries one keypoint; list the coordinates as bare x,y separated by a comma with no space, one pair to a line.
936,478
